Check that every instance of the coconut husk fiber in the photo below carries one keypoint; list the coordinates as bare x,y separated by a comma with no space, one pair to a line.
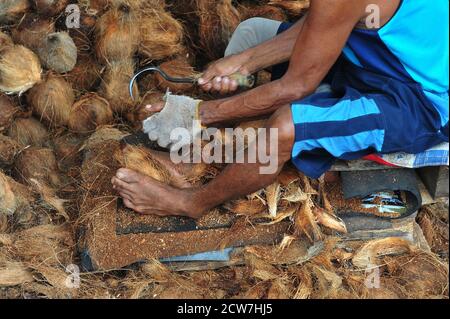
20,69
58,52
67,150
117,34
7,111
8,150
293,7
85,76
139,113
90,112
114,86
49,8
12,10
248,11
52,100
5,39
32,31
28,131
179,68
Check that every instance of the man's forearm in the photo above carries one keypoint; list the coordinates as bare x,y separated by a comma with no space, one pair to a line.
272,52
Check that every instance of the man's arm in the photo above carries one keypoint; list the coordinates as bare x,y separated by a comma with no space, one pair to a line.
319,43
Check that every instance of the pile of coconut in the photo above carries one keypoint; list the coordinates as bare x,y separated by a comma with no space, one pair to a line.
64,88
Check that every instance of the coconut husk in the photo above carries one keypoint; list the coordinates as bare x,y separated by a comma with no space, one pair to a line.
90,112
179,68
28,131
273,193
330,221
5,39
262,11
85,75
305,222
218,20
32,31
7,111
67,150
58,52
161,35
94,7
140,113
20,69
36,163
49,8
246,207
117,34
114,86
14,273
101,135
52,100
8,202
12,11
8,150
293,7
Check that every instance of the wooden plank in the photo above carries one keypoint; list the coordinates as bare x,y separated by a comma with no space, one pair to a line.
436,180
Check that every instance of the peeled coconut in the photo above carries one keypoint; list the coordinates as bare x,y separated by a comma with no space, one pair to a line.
28,131
161,34
20,69
90,112
7,111
115,84
177,68
85,75
32,31
51,100
49,8
5,39
12,10
58,52
8,150
117,34
39,164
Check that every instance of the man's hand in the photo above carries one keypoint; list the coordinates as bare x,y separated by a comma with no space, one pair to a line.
179,112
216,77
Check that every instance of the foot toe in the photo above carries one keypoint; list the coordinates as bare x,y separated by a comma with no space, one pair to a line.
128,176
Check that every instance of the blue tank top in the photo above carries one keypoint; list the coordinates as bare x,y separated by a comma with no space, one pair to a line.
412,47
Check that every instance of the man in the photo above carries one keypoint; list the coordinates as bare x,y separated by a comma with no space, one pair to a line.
389,94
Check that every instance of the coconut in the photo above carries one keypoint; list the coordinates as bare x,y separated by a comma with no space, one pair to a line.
19,69
264,11
39,164
85,75
140,113
94,7
28,131
7,199
216,26
8,150
67,148
115,84
5,39
7,111
32,31
117,34
49,8
58,52
101,135
52,100
12,10
161,35
176,68
294,7
90,112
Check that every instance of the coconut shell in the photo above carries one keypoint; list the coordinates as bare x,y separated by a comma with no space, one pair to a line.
49,8
39,164
5,39
117,34
115,84
161,35
7,111
12,11
90,112
85,75
8,150
32,31
28,131
177,68
20,69
58,52
51,100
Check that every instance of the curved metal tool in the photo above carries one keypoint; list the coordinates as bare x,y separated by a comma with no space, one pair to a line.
244,81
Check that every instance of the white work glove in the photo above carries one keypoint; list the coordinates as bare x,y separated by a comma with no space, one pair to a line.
179,112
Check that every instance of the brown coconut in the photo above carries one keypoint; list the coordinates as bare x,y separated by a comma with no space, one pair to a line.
49,8
67,150
90,112
51,100
5,39
161,34
12,10
115,84
32,31
218,20
179,68
58,52
7,111
264,11
39,164
293,7
140,113
28,131
20,69
101,135
85,75
8,202
94,7
117,34
8,150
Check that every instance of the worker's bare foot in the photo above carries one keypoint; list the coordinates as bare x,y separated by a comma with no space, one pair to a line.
147,196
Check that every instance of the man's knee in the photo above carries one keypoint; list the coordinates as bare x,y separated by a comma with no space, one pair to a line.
282,121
